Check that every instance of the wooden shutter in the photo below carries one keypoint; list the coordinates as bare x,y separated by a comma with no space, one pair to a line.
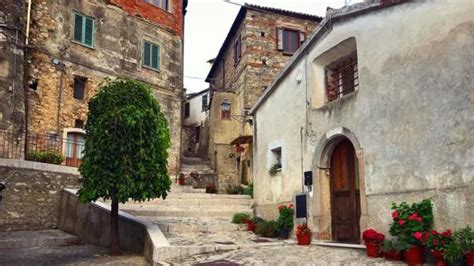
88,31
78,27
155,56
146,54
279,39
302,37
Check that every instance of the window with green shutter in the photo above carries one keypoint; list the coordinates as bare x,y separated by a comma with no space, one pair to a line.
151,55
83,30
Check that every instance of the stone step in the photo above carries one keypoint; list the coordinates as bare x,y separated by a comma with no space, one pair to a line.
187,189
200,170
197,202
184,213
185,195
194,224
40,238
194,160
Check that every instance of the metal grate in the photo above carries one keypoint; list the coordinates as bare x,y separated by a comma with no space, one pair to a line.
341,78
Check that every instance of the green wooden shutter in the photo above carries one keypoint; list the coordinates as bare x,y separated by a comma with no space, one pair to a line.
146,54
155,56
88,31
78,27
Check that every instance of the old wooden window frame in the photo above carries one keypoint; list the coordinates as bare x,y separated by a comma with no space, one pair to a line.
79,93
84,29
163,4
204,102
150,64
237,50
281,40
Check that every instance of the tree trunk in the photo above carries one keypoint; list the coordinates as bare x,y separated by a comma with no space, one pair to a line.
114,230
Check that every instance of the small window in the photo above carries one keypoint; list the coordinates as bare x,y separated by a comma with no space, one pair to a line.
197,134
83,29
163,4
225,109
151,55
187,110
237,50
79,123
289,40
204,103
276,158
79,87
342,77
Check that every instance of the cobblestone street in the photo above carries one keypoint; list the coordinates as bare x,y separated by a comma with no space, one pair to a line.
285,255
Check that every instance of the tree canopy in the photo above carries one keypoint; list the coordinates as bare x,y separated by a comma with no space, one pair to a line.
126,145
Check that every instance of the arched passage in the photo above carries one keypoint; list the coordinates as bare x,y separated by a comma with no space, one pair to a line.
339,202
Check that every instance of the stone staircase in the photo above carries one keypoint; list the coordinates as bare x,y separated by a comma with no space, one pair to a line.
200,166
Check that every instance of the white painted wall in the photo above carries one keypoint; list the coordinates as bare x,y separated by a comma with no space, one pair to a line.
196,115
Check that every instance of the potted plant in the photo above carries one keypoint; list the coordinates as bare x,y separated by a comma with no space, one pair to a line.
373,240
240,218
251,224
393,249
181,180
437,242
285,220
409,224
303,234
461,247
274,169
211,188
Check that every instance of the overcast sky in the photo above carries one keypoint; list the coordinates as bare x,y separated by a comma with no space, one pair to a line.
209,21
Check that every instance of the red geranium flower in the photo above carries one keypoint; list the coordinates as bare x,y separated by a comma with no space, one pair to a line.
418,235
280,207
401,222
290,205
395,214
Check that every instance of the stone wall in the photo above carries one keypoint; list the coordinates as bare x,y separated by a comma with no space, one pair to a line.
12,108
32,197
117,52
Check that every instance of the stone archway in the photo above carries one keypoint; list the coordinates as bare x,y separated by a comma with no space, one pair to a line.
322,205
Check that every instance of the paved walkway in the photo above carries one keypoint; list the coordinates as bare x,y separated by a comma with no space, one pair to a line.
285,255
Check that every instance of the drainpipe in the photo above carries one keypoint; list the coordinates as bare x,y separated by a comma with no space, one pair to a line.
301,147
25,76
28,20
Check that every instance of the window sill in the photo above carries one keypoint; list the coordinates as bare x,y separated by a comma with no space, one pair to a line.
338,100
83,45
152,69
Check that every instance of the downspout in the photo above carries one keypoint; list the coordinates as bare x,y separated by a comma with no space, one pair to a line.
28,18
25,76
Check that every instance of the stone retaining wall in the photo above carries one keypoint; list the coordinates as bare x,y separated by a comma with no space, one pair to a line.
32,195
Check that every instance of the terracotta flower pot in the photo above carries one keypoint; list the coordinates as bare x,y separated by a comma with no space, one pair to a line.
393,255
414,255
470,258
251,226
373,250
304,239
438,254
181,181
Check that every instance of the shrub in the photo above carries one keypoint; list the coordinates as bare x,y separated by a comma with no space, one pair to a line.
462,242
48,156
285,219
240,218
211,188
234,189
249,190
437,241
267,229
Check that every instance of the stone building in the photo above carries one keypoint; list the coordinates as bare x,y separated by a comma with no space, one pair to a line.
75,45
258,45
195,118
379,106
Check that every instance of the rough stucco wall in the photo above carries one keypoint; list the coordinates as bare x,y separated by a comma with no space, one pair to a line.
117,52
412,114
32,197
12,108
247,81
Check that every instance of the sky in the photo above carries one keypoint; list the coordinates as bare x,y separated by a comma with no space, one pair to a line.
209,21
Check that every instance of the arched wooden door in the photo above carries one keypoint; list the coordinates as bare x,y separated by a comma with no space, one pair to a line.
345,195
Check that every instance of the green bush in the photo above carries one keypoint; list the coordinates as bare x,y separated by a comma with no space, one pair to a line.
267,229
463,242
249,190
240,218
285,219
49,156
410,220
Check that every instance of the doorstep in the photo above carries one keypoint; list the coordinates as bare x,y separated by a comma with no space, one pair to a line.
337,244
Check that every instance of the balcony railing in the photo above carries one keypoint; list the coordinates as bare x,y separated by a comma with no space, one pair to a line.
341,78
45,148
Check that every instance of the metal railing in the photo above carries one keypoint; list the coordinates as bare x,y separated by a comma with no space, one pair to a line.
342,79
45,148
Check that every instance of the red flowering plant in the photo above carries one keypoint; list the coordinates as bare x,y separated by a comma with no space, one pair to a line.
410,222
302,229
373,237
437,241
285,219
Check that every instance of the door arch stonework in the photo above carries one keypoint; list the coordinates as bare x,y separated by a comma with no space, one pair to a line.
321,202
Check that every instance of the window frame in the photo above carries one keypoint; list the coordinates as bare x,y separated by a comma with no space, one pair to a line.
204,102
79,79
152,2
226,114
237,50
281,43
187,110
83,29
158,68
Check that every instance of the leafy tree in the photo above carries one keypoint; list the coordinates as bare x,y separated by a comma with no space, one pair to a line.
126,146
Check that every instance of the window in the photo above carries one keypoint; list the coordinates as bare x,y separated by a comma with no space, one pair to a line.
237,50
341,77
225,109
197,134
187,110
163,4
288,40
151,55
75,144
276,158
204,103
83,30
79,87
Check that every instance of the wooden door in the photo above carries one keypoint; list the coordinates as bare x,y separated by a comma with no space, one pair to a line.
74,149
345,196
